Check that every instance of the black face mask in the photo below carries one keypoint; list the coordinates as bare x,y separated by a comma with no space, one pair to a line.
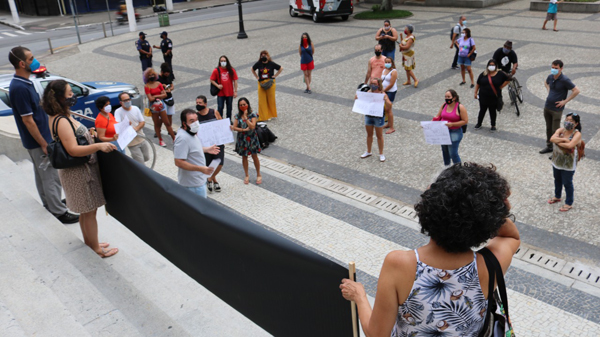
200,107
151,78
448,100
263,59
377,53
71,101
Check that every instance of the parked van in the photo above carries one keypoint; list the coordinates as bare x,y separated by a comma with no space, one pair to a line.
319,9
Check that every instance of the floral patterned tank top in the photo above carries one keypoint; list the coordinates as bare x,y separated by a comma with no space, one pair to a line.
442,303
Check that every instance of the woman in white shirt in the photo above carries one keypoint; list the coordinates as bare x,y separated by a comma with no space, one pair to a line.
389,77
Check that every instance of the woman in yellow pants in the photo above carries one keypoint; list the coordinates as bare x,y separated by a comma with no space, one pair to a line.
266,75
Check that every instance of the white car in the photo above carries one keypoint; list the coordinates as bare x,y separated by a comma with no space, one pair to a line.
319,9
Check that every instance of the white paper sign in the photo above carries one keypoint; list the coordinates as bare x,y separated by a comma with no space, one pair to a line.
436,133
214,163
368,103
126,133
215,132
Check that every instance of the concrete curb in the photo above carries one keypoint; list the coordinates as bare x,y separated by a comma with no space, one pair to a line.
11,25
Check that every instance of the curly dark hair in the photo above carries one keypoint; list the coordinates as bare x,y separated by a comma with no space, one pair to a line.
464,207
53,99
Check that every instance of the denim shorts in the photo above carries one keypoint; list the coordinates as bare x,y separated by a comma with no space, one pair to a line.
374,121
464,61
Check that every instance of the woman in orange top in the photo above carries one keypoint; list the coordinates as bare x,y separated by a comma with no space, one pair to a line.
105,122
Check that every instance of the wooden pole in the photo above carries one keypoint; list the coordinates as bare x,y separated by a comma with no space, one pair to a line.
352,272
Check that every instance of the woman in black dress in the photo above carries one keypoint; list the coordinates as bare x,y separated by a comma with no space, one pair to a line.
489,86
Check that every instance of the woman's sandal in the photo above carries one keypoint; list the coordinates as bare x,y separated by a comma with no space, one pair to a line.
565,208
406,83
390,131
108,253
258,180
553,200
247,180
104,244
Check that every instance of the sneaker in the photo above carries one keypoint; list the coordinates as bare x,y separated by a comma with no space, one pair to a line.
455,68
472,85
546,150
209,185
217,187
68,218
309,92
462,83
365,155
493,129
162,143
477,127
381,158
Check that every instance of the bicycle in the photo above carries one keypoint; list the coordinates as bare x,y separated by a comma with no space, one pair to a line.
516,94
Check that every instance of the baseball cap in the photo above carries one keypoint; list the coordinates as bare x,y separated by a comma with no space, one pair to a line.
164,33
142,33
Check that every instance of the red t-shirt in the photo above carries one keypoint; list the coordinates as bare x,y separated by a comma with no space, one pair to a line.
108,124
226,81
156,91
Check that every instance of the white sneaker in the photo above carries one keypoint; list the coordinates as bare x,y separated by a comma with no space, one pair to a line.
365,155
381,158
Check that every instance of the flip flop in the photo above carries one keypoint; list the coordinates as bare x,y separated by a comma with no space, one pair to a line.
565,208
108,253
104,244
556,30
544,28
390,131
416,83
553,200
258,180
246,180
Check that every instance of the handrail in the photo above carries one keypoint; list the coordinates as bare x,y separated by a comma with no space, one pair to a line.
92,119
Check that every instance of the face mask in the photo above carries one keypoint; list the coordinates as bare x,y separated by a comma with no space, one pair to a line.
462,35
305,39
126,105
200,107
405,32
374,87
554,71
388,65
35,65
491,68
263,58
386,28
223,64
448,100
194,127
377,53
465,23
244,108
152,78
569,125
71,101
108,108
505,51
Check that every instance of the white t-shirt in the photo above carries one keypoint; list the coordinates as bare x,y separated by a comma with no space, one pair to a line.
134,115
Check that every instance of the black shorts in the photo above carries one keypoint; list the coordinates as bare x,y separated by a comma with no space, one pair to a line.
209,157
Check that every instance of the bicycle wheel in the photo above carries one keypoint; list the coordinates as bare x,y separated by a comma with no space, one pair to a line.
147,146
518,89
513,99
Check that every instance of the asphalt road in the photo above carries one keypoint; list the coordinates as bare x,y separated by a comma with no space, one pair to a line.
37,40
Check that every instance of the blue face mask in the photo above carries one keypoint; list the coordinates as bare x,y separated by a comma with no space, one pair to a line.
35,65
374,87
388,65
465,23
505,51
554,71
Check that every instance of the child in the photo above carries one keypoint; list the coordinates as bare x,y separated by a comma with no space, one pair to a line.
551,15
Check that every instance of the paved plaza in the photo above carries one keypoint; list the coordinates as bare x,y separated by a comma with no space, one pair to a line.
320,140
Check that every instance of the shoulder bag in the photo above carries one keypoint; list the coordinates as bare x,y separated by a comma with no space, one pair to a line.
499,101
464,127
214,90
497,322
58,156
474,55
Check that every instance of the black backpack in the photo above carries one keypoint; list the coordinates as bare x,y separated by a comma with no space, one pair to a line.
452,31
265,135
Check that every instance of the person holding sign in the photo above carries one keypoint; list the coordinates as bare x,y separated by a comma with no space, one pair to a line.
375,122
247,143
455,115
139,149
205,115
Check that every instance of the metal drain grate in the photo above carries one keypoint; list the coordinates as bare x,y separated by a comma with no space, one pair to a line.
582,273
544,260
281,168
339,188
298,174
317,180
520,253
407,212
361,196
387,205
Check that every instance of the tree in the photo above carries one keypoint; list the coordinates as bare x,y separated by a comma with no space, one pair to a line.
386,5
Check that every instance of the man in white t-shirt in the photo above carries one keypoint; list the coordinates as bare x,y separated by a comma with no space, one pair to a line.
139,149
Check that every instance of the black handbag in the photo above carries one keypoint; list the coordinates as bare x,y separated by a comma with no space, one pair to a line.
214,90
474,54
499,101
464,127
58,156
497,321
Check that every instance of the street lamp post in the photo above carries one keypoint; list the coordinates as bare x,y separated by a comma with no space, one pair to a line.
242,33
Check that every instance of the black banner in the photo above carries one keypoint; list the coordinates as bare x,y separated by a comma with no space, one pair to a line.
282,287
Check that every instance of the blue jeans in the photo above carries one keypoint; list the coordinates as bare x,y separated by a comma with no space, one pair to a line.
564,178
451,151
221,103
391,54
201,191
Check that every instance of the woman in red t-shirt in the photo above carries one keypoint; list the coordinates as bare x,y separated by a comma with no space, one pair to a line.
156,93
227,82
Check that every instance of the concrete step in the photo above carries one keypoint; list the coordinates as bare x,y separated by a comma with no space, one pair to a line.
185,301
125,310
9,327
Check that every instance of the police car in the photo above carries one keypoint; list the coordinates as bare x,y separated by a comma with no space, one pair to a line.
86,93
320,9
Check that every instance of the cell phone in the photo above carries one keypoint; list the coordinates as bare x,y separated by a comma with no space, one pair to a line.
168,86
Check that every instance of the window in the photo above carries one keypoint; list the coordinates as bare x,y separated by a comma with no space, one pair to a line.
4,97
77,90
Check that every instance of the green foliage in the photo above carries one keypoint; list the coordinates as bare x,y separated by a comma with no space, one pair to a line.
382,15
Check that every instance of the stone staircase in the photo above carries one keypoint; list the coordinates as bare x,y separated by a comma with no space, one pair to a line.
51,284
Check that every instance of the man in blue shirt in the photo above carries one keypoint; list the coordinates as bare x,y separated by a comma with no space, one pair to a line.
145,51
32,123
551,15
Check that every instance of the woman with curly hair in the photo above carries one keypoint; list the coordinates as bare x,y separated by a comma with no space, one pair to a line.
247,143
443,285
81,183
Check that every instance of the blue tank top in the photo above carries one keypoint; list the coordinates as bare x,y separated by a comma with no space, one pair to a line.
306,54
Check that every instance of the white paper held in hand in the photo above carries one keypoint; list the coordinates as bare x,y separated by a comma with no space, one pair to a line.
126,133
368,103
436,133
214,163
215,132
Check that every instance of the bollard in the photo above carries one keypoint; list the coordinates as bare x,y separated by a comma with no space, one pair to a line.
104,29
50,44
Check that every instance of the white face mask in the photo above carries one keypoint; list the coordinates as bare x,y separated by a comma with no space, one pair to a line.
223,64
491,68
194,127
108,108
